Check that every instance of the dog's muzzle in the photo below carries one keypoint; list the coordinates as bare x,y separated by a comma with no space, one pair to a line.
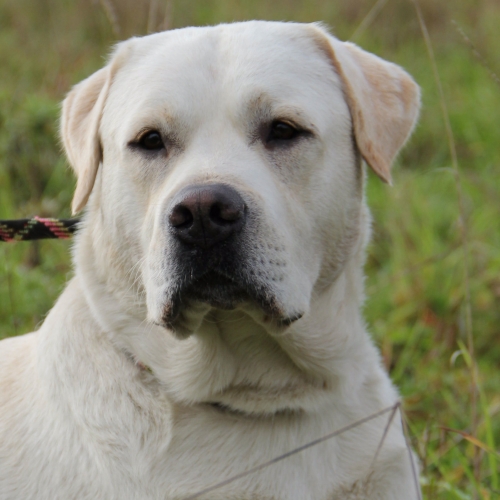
211,230
206,223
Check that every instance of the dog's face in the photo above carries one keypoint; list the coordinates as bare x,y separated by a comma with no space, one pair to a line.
233,152
231,164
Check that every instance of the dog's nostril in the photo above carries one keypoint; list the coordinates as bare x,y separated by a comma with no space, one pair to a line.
222,213
181,217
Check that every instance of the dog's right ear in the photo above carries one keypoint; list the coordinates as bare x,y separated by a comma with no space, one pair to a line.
81,117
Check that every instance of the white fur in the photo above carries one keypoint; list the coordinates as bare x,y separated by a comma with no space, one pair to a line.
80,416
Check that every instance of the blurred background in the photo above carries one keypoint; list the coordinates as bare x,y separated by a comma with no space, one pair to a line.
433,270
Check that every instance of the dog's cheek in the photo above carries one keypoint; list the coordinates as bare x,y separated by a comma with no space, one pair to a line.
155,290
319,198
158,281
276,259
335,214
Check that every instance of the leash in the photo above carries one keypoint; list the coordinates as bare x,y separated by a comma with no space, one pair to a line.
37,228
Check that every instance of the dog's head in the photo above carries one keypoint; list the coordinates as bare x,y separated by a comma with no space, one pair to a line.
228,162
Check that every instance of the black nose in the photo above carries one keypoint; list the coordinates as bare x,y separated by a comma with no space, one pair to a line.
206,214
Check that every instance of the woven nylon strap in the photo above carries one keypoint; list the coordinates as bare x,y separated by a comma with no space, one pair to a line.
37,228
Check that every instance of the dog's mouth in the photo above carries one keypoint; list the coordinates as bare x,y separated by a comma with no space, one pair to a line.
226,409
219,291
222,290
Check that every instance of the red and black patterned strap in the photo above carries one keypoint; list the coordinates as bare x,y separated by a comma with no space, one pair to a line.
37,228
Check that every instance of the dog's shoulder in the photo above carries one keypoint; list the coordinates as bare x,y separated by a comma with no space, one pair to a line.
16,362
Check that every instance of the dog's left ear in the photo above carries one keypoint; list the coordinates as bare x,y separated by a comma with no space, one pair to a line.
383,99
80,120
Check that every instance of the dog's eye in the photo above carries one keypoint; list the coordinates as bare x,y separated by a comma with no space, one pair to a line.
151,141
281,131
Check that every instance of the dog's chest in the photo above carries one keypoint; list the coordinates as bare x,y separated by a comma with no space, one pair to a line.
206,451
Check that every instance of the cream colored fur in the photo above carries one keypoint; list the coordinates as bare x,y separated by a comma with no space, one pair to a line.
80,416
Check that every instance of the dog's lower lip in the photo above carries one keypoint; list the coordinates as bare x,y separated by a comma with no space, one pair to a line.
289,320
214,288
227,410
221,407
236,412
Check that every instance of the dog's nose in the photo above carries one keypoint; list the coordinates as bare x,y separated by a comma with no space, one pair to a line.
206,214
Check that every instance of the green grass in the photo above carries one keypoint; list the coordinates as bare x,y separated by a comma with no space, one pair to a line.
417,296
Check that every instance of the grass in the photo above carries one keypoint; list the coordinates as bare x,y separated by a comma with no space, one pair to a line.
418,302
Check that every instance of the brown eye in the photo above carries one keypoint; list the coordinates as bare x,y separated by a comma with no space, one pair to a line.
151,141
281,131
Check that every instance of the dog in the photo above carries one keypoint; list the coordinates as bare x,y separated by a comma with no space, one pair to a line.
213,321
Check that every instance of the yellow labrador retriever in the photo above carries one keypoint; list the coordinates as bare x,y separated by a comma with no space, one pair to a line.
214,321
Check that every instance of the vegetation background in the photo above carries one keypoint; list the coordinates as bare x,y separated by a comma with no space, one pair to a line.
433,270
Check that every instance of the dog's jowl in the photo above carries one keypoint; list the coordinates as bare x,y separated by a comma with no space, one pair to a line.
213,321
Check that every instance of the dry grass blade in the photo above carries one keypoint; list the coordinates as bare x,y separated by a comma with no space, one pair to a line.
412,458
333,434
476,53
462,221
472,439
168,18
110,11
369,18
384,435
152,15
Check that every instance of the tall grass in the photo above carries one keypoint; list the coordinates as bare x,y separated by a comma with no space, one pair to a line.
436,327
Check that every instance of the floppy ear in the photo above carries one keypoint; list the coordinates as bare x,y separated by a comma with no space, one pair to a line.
383,99
81,116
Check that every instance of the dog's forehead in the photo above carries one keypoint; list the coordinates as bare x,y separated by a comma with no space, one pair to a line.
195,68
240,49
